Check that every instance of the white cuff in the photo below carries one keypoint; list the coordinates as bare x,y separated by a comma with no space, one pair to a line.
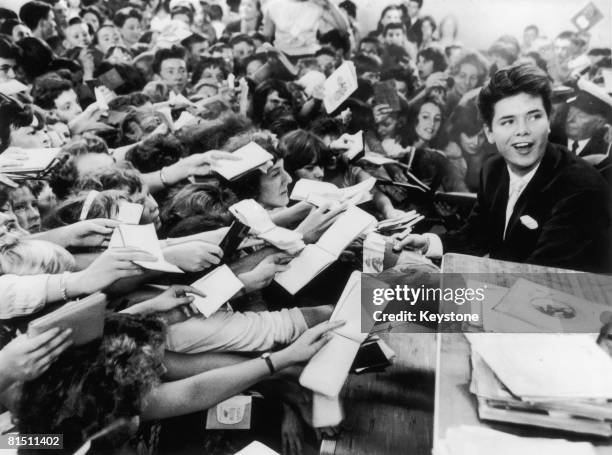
435,249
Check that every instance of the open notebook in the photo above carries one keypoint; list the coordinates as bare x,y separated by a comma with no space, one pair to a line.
252,156
144,237
219,286
85,317
327,370
318,193
318,256
251,214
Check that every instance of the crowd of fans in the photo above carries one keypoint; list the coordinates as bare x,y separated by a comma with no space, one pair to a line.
145,98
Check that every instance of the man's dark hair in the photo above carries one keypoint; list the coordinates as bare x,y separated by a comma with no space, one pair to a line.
75,20
365,63
337,40
241,38
349,7
436,56
371,40
192,39
47,88
325,51
512,81
165,54
7,14
300,148
215,12
7,49
394,26
533,27
124,14
420,2
118,177
8,25
31,13
92,10
208,62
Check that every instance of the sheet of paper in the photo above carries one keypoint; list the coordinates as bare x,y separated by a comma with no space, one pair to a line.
185,119
349,309
256,448
327,370
378,159
305,188
339,86
361,187
253,215
252,156
12,87
220,285
311,81
541,308
301,270
284,239
326,411
345,229
101,99
129,213
547,366
145,238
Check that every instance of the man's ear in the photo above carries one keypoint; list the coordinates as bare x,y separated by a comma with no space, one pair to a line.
489,134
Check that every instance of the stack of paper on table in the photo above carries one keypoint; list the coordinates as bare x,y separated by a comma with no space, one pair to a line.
475,440
144,237
37,161
561,381
317,257
253,215
339,86
252,156
319,193
218,286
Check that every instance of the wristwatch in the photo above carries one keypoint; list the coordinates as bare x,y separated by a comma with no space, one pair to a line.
266,357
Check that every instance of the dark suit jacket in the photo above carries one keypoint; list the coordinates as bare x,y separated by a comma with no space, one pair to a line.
567,198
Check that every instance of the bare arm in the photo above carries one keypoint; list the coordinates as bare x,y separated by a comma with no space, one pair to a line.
182,366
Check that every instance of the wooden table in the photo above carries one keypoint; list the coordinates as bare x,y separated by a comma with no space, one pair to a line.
391,413
454,404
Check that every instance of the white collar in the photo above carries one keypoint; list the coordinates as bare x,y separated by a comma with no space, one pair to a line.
581,144
521,180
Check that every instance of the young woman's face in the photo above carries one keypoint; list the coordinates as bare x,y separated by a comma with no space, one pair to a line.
92,19
471,144
391,16
67,106
427,29
30,137
77,35
274,101
429,120
107,38
25,207
248,10
312,171
274,187
131,31
150,214
467,78
386,128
